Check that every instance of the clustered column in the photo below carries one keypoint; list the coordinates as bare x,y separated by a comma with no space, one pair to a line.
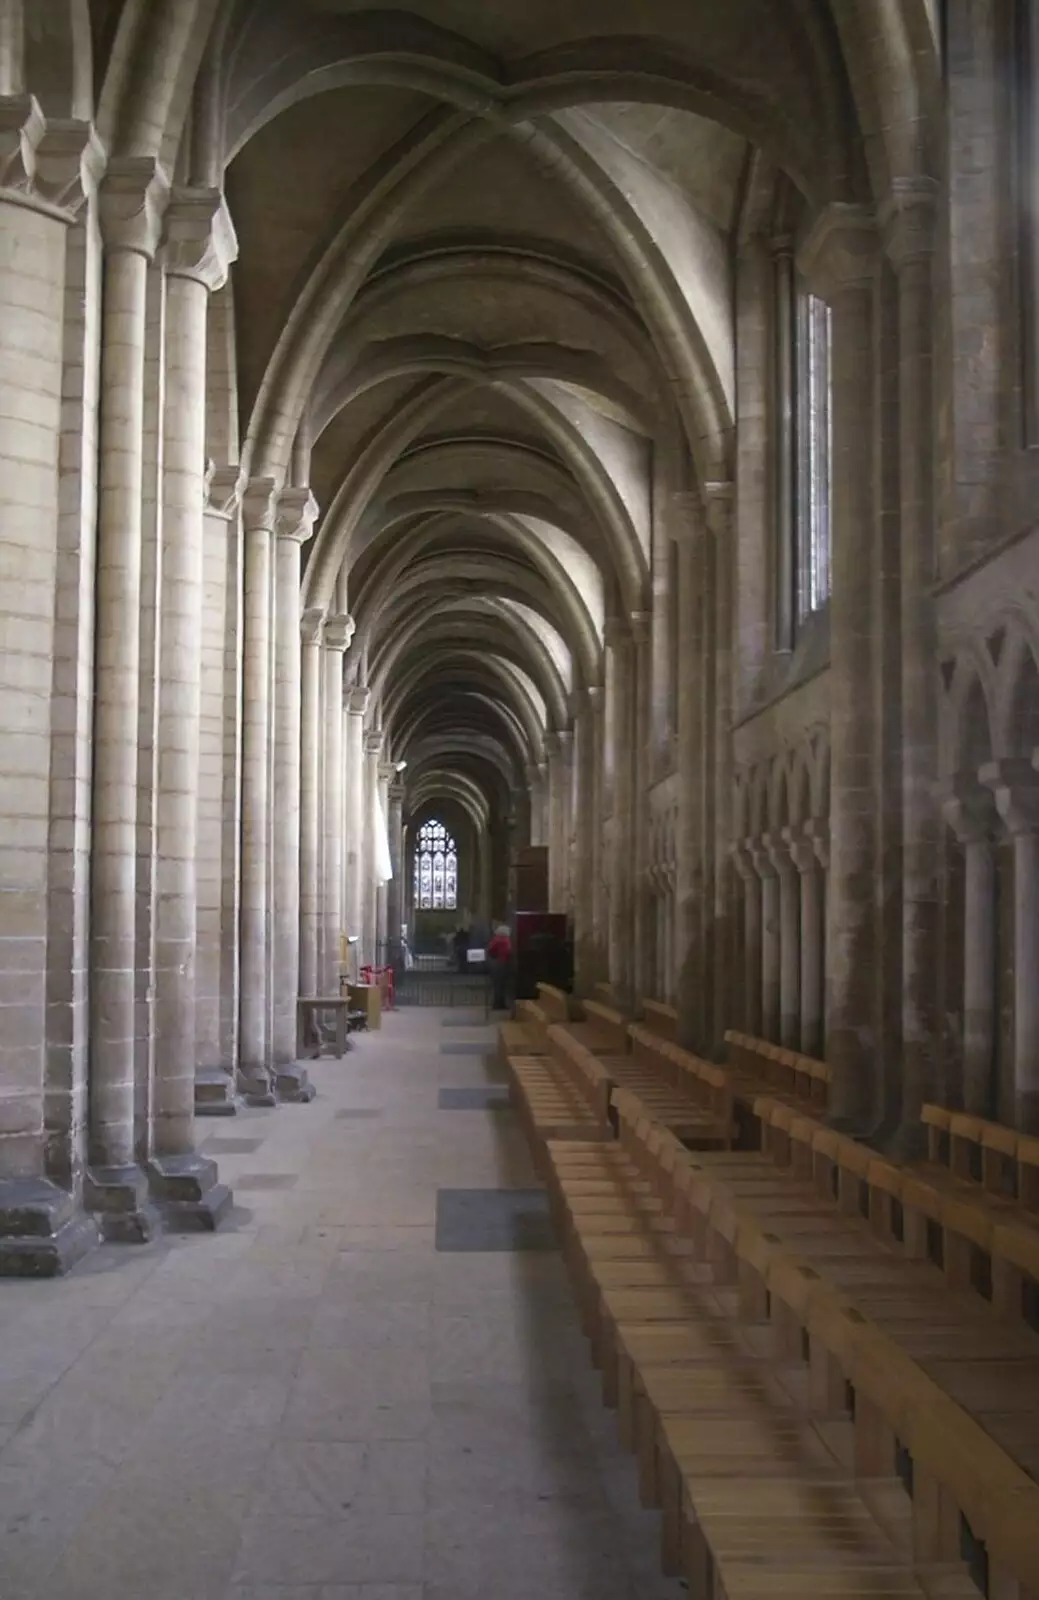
311,743
395,888
586,827
688,532
1015,785
356,708
619,697
971,814
338,633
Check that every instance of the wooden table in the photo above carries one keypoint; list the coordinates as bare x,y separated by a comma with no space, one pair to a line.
307,1011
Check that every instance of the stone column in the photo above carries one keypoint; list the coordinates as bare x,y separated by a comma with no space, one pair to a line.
566,760
310,800
384,951
619,696
1015,785
743,858
688,530
536,776
395,889
839,260
297,510
339,631
910,245
641,763
771,949
259,510
372,761
132,199
808,853
971,814
596,739
585,827
718,593
199,247
555,822
779,853
356,705
41,1099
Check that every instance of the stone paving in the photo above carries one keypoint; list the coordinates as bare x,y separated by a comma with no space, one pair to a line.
319,1403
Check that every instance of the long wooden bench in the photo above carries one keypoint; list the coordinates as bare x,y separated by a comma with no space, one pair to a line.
519,1039
601,1028
756,1498
660,1019
557,1005
989,1155
563,1094
901,1420
760,1067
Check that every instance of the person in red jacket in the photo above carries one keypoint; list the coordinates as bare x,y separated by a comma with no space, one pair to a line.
499,959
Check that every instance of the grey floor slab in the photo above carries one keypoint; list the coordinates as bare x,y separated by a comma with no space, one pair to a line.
336,1397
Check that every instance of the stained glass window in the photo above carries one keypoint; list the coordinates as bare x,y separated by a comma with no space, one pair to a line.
436,869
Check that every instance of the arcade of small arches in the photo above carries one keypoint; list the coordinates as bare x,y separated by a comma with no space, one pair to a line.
434,433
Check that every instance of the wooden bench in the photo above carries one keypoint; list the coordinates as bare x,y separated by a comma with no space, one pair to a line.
897,1417
556,1004
519,1039
999,1160
563,1094
660,1019
601,1028
762,1067
756,1501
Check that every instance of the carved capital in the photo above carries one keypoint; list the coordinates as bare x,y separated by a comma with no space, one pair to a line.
311,623
817,830
223,489
1015,787
840,250
396,795
356,700
199,241
969,808
339,630
373,742
743,861
616,634
760,858
551,744
685,516
641,623
720,500
801,847
908,220
297,513
133,194
259,505
49,163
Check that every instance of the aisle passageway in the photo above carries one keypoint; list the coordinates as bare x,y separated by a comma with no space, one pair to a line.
356,1391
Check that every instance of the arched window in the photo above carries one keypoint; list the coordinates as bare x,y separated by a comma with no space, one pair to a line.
436,868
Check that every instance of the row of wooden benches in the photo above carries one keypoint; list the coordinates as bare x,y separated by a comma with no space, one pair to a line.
980,1240
815,1412
982,1156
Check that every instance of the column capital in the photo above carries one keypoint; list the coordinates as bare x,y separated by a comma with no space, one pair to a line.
777,847
685,515
373,742
566,739
908,218
840,250
48,163
1015,786
969,808
356,699
817,830
387,772
743,861
259,505
199,241
396,793
802,847
296,514
596,694
616,633
339,630
223,489
133,196
311,623
719,499
641,622
551,743
760,858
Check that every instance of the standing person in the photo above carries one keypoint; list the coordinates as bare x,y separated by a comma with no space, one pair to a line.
499,957
461,949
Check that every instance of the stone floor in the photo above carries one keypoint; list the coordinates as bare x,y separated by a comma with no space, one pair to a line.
360,1390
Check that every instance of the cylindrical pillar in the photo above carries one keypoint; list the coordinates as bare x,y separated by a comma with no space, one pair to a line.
258,519
771,948
839,260
338,632
1015,784
133,199
689,531
910,245
395,887
555,840
356,706
805,851
743,858
310,800
619,698
720,941
597,739
384,950
297,509
369,887
585,825
778,851
641,766
198,250
33,245
971,814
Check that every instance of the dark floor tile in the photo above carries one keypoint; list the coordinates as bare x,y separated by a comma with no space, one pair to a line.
493,1220
478,1097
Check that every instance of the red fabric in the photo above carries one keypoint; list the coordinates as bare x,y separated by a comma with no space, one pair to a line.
500,947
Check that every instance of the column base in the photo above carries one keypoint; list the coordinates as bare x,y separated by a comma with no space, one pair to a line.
43,1233
293,1085
214,1093
118,1196
255,1087
188,1194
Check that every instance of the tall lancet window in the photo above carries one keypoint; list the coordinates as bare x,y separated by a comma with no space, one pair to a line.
436,868
814,454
